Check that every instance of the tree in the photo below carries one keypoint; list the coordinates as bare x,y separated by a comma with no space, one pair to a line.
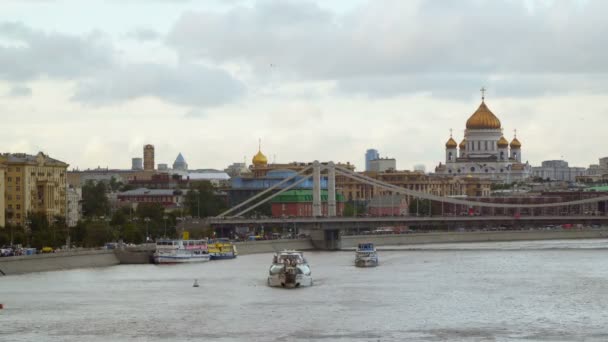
202,201
94,199
420,207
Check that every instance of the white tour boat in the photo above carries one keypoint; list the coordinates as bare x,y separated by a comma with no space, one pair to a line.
366,255
289,269
181,251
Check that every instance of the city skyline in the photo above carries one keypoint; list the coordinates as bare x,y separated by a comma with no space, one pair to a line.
398,87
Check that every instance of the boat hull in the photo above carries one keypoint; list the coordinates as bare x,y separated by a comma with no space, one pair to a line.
281,280
366,262
180,259
222,256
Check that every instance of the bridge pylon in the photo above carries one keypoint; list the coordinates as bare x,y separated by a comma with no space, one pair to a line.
316,189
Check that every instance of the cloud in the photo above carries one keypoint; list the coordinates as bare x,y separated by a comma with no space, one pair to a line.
144,35
185,84
391,47
19,91
31,54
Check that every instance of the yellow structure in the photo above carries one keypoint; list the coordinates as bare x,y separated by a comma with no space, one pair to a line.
148,157
2,198
34,184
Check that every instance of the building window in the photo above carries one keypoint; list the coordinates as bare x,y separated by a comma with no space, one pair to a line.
18,215
10,197
472,146
18,169
18,179
479,145
10,179
472,169
18,206
486,145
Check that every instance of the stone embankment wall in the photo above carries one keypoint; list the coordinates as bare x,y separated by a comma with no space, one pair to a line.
57,261
270,246
351,241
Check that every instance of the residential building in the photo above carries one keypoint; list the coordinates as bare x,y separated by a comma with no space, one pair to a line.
557,170
168,198
298,203
382,165
34,183
74,206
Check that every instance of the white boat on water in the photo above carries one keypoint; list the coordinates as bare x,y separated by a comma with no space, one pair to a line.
289,269
366,255
181,251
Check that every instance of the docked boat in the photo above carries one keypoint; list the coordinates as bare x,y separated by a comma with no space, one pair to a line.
222,249
289,269
366,255
181,251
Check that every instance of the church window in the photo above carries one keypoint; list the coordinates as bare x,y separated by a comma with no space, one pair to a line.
502,155
486,145
472,146
501,170
472,169
515,155
450,156
479,145
458,170
486,170
450,171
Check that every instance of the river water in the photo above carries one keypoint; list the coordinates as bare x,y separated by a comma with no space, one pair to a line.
529,291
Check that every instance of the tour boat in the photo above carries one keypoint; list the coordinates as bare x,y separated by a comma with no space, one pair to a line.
366,255
289,269
181,251
222,249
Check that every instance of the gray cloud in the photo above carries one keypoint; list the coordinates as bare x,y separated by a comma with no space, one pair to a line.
144,35
32,54
186,84
393,42
20,90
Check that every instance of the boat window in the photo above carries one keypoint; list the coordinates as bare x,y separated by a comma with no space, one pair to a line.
304,269
274,269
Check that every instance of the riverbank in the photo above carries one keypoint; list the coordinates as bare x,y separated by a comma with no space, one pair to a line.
142,254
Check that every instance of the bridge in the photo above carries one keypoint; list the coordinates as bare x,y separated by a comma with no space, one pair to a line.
330,227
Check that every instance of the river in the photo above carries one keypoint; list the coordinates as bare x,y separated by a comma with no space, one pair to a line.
518,291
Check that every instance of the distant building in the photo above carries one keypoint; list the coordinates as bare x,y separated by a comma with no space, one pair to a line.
388,205
180,163
168,198
558,170
34,183
2,191
137,164
237,169
149,157
163,167
420,168
382,165
74,206
370,155
298,203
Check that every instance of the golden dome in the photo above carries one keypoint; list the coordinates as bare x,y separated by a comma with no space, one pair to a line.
259,159
451,143
483,118
515,143
463,144
502,142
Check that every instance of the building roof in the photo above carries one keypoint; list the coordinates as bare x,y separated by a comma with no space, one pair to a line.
302,196
483,118
601,188
208,176
180,158
152,192
33,159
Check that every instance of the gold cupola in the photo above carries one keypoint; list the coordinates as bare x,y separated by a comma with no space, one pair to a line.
483,118
502,142
515,143
259,159
463,144
451,143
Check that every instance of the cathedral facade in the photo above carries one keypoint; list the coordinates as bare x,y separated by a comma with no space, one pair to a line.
484,152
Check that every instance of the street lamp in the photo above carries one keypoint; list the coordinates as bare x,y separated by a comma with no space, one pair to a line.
165,218
147,220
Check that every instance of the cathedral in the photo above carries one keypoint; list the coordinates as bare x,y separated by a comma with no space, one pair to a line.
484,152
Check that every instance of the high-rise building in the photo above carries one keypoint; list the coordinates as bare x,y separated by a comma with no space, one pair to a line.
149,157
34,184
137,164
382,165
370,155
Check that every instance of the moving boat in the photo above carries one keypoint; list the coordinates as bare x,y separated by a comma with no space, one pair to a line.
366,255
222,249
289,269
181,251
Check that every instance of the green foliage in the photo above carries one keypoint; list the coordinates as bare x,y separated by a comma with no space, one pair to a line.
422,207
201,200
94,199
97,233
353,208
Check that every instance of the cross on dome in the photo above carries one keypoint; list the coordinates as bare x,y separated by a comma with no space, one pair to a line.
483,93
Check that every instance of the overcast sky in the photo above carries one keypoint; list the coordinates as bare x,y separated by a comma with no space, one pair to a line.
90,82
